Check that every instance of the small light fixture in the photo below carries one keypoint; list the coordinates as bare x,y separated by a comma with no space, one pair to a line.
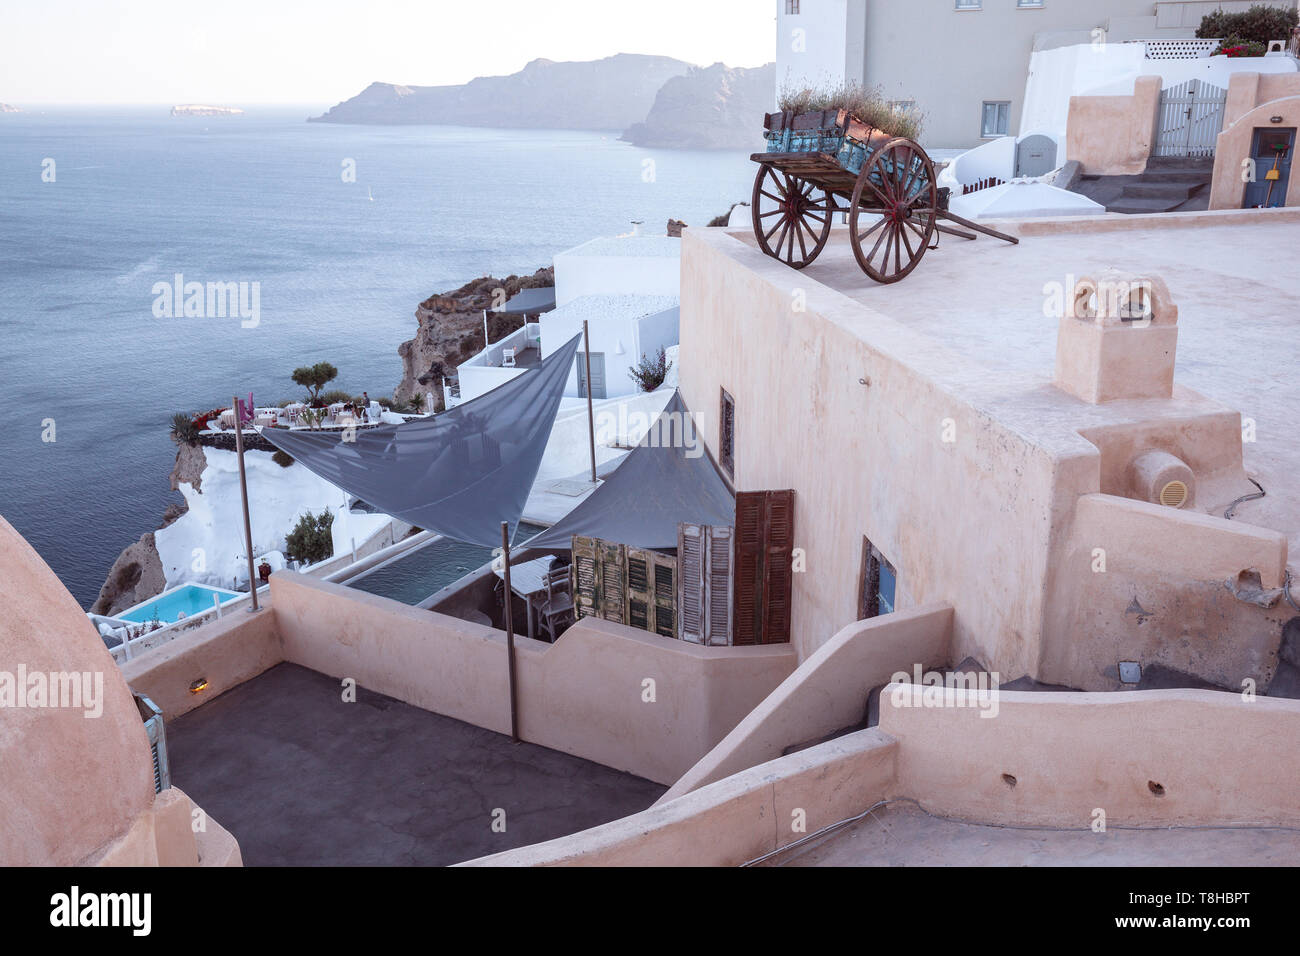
1275,119
618,348
1130,672
198,685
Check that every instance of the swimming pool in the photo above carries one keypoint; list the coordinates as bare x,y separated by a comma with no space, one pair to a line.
421,573
186,600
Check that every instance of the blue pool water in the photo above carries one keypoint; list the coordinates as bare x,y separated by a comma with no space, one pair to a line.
189,599
428,569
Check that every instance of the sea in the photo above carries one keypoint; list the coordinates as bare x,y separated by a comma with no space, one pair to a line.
339,230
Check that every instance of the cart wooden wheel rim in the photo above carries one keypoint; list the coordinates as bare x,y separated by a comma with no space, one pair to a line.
793,211
897,183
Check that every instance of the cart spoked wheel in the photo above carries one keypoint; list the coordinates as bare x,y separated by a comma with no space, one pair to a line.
897,185
792,216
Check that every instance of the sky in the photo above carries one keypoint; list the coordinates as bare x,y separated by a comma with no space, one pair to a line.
238,52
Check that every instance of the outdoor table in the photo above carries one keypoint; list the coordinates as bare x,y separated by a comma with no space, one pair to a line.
528,580
227,418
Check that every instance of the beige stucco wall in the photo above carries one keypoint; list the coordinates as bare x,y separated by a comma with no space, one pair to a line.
583,695
829,690
1113,135
69,784
870,459
1222,760
1254,99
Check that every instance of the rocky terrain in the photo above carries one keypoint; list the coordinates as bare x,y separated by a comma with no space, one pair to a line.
450,330
611,93
717,107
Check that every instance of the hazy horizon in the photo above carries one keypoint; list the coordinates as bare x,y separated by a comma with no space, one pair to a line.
150,52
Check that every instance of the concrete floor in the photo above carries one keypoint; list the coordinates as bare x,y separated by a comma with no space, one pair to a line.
901,834
301,778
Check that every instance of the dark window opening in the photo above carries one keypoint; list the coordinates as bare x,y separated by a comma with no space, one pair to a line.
879,583
727,435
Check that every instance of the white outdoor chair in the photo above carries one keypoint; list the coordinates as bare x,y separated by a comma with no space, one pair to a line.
507,358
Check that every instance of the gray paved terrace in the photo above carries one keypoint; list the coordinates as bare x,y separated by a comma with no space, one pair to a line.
301,778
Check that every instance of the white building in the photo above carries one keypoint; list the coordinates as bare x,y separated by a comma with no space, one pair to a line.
625,287
963,63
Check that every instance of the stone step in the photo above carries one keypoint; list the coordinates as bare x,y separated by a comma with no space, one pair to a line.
1143,206
1176,176
1160,190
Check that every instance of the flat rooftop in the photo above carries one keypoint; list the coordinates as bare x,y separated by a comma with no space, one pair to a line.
902,834
301,778
972,317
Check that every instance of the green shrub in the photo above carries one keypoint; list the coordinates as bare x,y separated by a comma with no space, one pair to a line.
650,373
282,459
1259,24
183,430
335,395
310,540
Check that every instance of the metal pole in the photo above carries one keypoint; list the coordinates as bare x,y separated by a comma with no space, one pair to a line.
510,631
243,493
591,416
486,343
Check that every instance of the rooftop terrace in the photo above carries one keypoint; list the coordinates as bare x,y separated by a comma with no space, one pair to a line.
305,779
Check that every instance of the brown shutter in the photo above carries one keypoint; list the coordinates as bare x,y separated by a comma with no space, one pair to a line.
719,563
690,581
778,573
640,602
613,580
746,622
665,595
586,577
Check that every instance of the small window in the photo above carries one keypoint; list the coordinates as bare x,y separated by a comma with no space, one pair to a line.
903,106
879,583
1029,3
727,435
792,7
996,120
970,4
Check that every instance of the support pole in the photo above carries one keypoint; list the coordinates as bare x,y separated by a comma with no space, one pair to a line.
591,415
243,494
510,631
486,343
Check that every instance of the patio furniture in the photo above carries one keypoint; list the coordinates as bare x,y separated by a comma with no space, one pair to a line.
528,581
227,418
556,613
507,358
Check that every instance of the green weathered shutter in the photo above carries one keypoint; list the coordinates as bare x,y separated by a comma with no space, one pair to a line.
640,600
612,559
665,595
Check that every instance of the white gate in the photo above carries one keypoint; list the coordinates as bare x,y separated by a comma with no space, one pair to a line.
1191,118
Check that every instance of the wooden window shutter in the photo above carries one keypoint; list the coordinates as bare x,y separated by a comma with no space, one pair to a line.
717,629
640,600
665,595
778,571
746,622
613,580
690,581
586,577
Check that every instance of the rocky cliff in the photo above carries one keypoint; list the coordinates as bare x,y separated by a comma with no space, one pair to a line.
717,107
598,94
450,330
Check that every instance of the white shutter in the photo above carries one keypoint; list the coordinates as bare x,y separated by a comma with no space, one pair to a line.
718,564
690,578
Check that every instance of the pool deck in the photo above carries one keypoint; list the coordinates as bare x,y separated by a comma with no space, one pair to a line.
301,778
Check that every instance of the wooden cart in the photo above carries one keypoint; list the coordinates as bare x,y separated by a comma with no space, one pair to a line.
893,203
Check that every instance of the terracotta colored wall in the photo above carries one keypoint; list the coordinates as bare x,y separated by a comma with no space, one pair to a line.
1163,596
1114,135
734,820
225,653
1220,759
69,784
1228,189
870,459
582,695
828,692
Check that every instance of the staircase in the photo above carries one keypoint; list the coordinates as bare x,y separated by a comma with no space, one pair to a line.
1169,184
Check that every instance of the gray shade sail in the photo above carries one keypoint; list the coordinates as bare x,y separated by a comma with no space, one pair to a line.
460,473
529,301
660,484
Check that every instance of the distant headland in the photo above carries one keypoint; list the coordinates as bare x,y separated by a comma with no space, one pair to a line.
6,108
